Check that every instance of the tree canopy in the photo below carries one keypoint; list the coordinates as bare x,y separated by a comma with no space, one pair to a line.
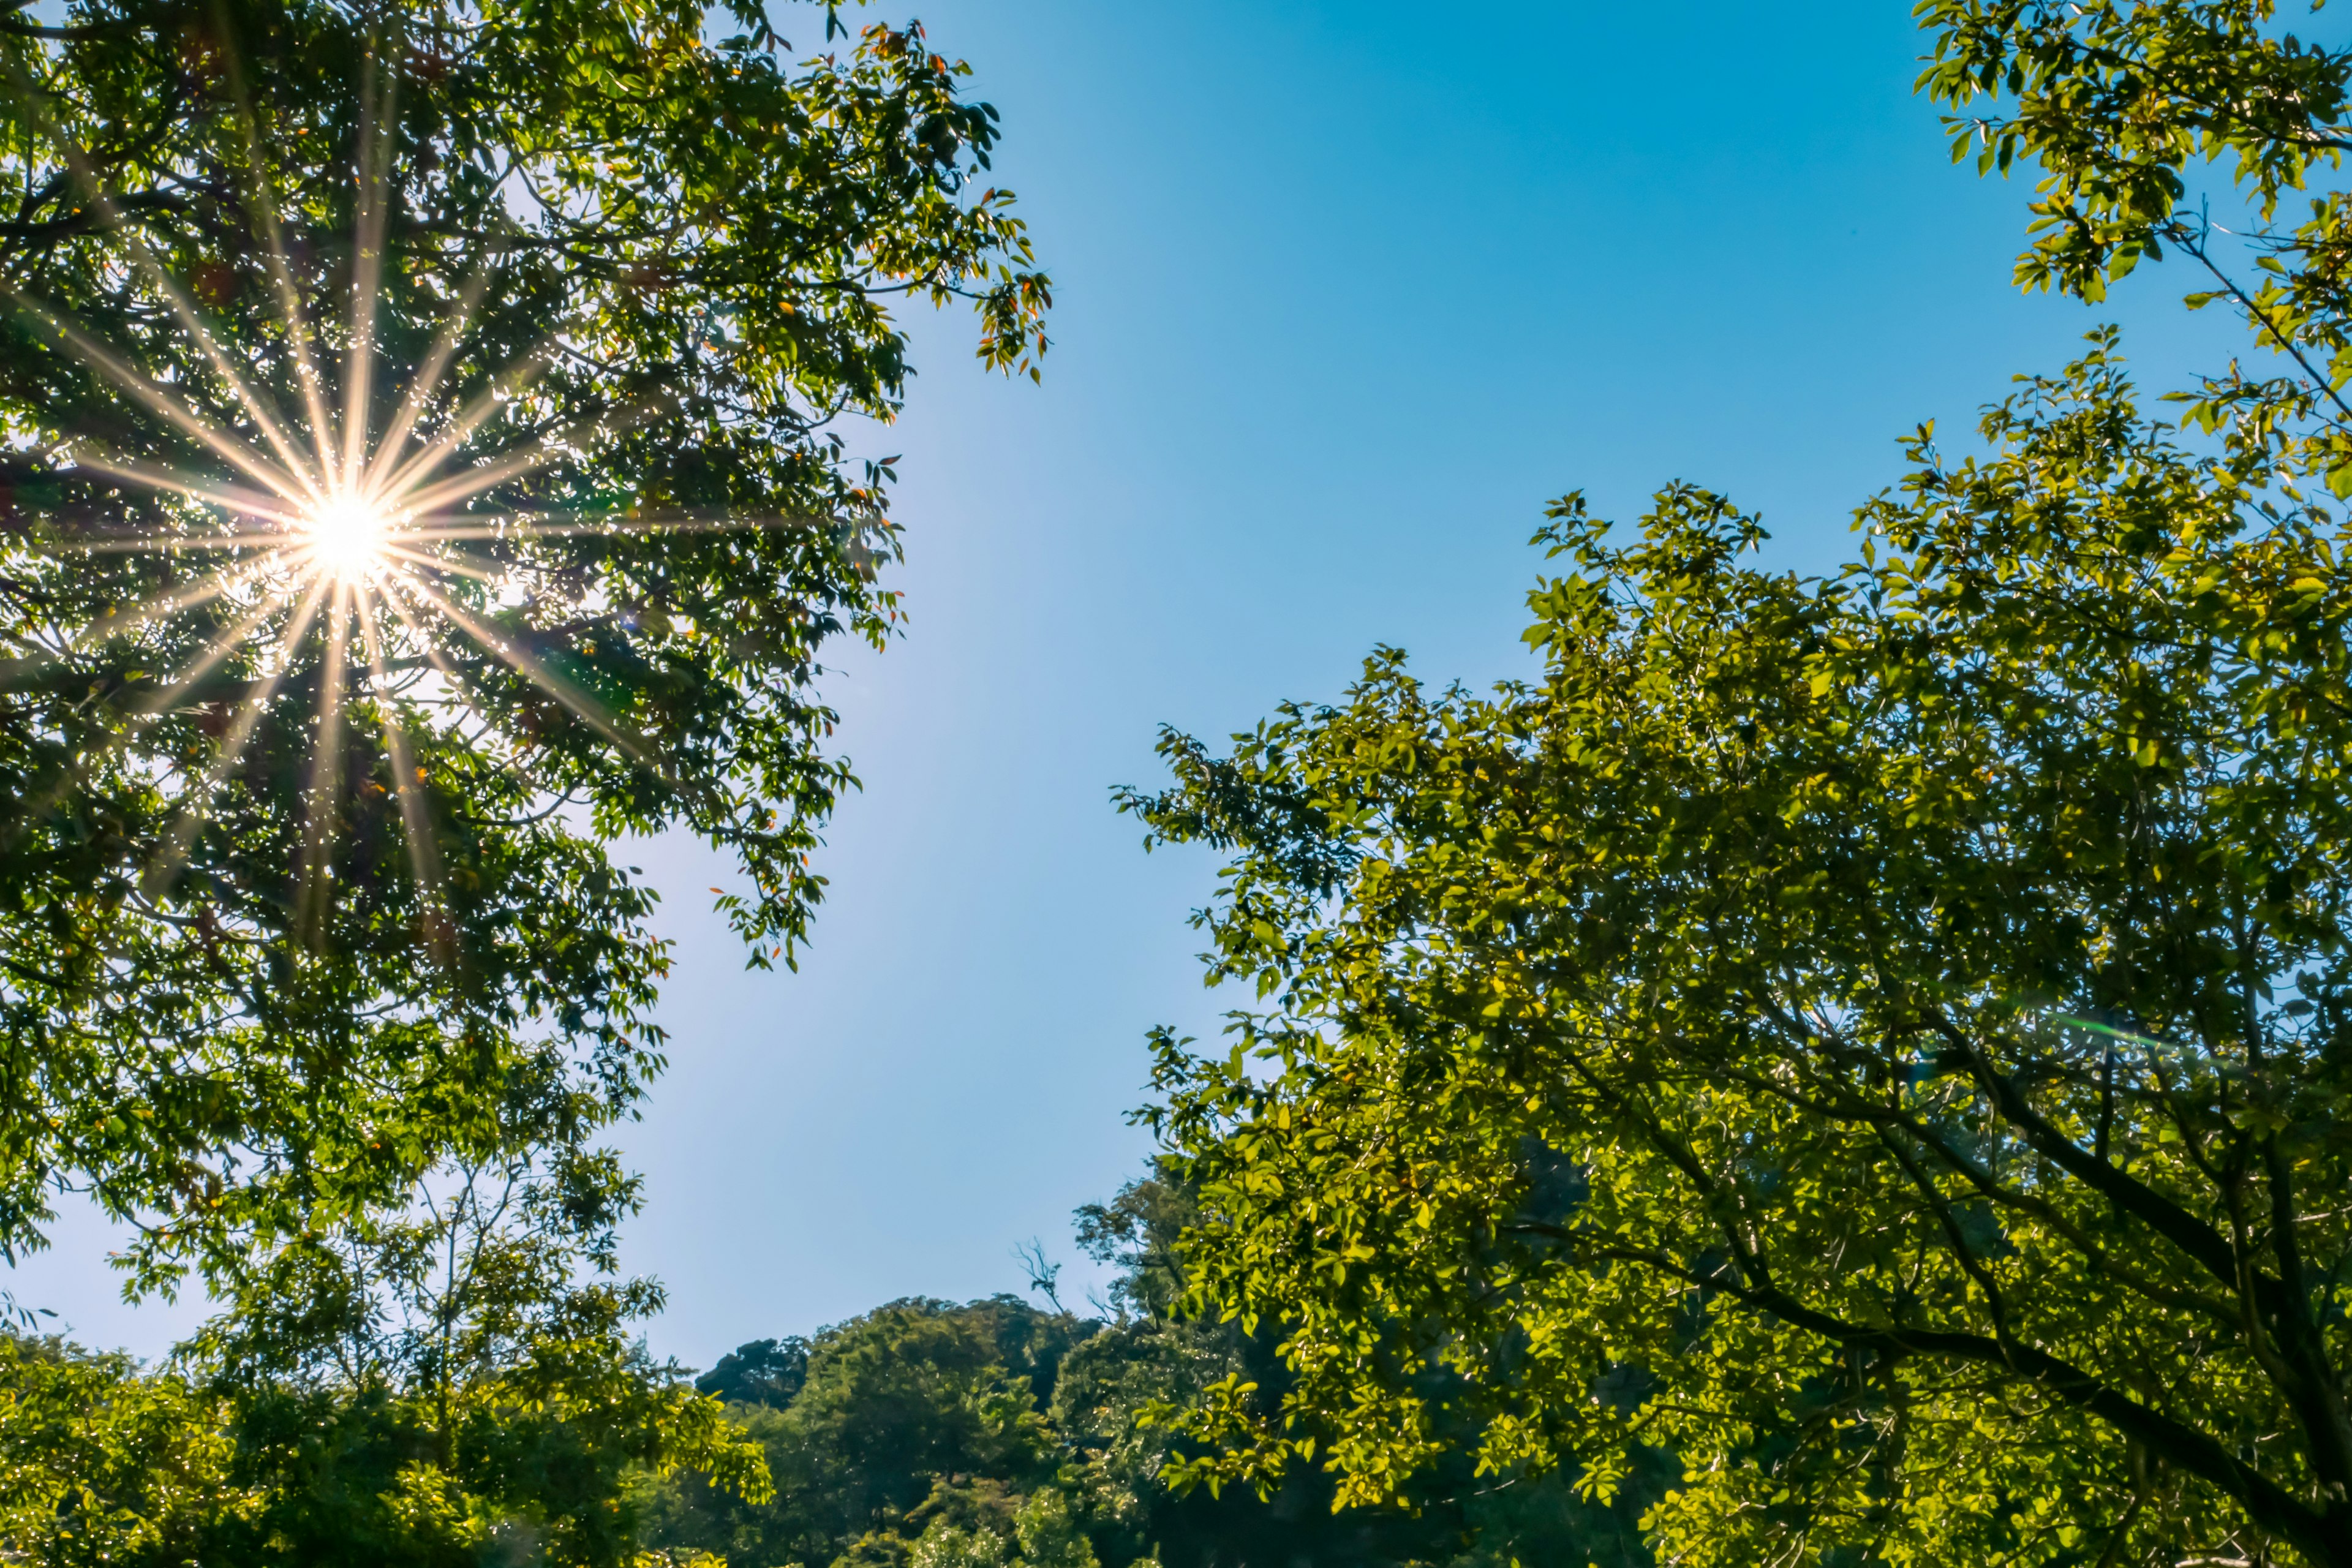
422,469
305,884
105,1463
1880,1039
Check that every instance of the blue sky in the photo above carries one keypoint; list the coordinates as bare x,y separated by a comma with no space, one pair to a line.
1345,293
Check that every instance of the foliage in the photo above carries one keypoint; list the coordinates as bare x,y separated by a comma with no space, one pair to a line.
101,1465
927,1433
1118,1391
2121,104
1881,1040
919,1412
267,977
105,1463
325,981
923,1433
1876,1038
1045,1533
764,1372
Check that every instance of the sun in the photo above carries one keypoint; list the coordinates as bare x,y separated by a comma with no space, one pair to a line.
361,551
346,535
348,532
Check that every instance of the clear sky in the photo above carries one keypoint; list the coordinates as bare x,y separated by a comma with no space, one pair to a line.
1347,291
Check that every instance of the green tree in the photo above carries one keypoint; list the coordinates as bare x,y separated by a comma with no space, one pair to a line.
1119,1403
104,1463
1881,1040
306,893
763,1371
101,1465
931,1434
419,473
1045,1533
921,1420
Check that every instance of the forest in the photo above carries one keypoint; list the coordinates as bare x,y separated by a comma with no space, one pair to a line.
933,1433
997,1432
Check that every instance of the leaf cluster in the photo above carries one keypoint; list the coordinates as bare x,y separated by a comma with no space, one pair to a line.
107,1462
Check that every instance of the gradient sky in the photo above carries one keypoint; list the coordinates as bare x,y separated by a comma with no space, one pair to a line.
1345,293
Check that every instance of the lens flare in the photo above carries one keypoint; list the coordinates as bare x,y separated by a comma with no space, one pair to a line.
346,535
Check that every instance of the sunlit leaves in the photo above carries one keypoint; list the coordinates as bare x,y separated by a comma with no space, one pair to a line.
1876,1038
107,1462
1879,1039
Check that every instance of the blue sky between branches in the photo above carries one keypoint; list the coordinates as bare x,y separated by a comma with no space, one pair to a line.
1345,293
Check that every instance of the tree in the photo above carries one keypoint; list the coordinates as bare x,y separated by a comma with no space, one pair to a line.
105,1463
1119,1407
99,1465
538,315
765,1372
926,1432
921,1420
1880,1038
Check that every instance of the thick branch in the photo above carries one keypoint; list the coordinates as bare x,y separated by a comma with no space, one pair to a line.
2321,1535
2210,1248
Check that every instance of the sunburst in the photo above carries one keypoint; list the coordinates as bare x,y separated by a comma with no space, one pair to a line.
328,521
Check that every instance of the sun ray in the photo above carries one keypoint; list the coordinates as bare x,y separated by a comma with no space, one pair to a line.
275,540
416,828
231,639
236,453
265,416
164,871
457,679
150,708
473,481
298,334
331,517
536,453
261,206
589,710
463,565
164,477
504,387
374,483
183,310
378,91
323,798
525,525
124,619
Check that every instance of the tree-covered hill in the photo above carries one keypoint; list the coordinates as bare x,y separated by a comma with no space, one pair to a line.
924,1434
993,1433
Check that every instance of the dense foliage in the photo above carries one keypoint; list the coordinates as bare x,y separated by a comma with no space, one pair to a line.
1882,1039
1849,1070
924,1433
935,1435
283,934
316,969
101,1463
